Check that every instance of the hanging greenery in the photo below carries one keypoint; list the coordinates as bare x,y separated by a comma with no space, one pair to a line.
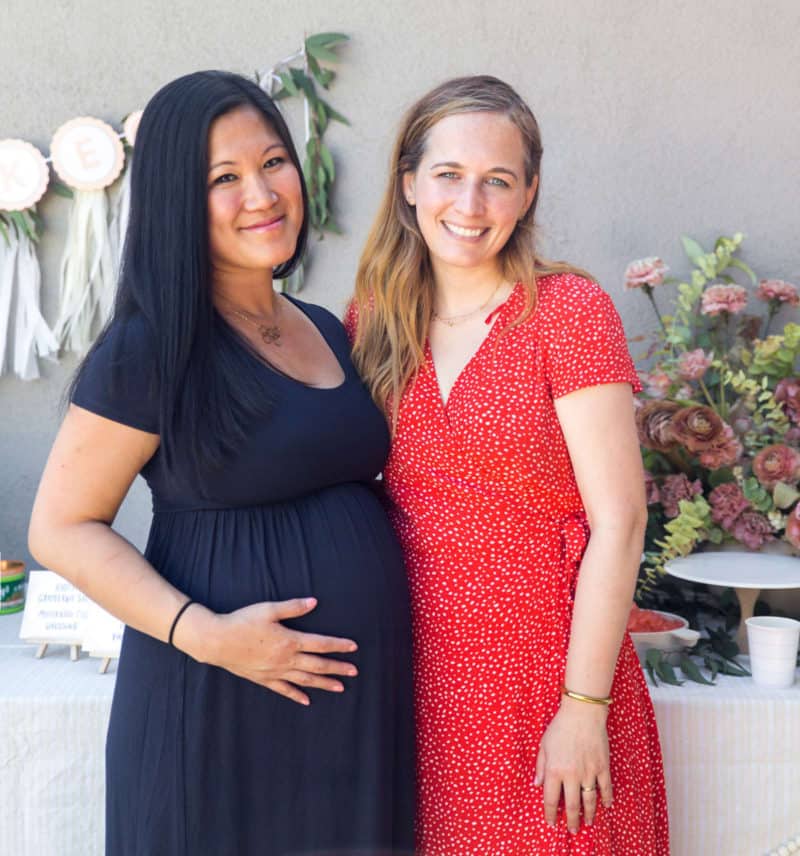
297,76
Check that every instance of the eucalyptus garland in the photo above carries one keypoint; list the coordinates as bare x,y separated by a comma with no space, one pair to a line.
298,77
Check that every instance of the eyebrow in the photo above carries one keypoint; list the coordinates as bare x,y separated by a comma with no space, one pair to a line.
277,145
456,165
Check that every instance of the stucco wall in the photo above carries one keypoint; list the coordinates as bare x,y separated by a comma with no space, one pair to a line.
658,118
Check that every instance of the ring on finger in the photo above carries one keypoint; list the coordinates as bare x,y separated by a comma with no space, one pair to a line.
589,790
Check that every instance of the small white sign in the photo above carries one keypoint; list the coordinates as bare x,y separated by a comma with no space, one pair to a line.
103,635
55,611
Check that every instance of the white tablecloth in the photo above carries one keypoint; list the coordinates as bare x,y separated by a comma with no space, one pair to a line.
732,765
54,714
731,756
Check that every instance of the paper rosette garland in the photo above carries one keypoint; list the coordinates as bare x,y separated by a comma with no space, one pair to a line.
88,156
24,178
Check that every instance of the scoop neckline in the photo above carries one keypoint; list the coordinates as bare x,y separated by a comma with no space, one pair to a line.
242,342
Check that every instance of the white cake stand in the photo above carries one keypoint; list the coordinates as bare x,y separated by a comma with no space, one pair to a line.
748,574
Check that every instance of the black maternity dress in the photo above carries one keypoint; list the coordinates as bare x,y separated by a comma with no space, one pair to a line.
203,763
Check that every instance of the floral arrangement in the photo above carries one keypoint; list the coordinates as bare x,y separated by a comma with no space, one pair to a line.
719,417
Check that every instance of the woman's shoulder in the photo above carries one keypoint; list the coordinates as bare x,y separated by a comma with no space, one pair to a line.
563,293
314,310
119,378
128,336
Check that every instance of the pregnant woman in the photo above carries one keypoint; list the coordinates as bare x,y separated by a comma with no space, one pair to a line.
263,701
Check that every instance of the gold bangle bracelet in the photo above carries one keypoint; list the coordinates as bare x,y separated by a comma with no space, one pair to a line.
587,698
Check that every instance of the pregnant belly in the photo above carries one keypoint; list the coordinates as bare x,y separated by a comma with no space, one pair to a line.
335,545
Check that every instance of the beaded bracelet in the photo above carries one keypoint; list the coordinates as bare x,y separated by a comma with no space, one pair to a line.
587,698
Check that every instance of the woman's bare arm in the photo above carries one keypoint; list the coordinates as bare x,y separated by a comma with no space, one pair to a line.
599,430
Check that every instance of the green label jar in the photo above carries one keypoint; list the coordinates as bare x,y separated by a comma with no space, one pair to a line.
12,586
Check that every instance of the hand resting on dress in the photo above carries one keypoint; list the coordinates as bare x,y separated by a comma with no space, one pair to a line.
253,644
92,464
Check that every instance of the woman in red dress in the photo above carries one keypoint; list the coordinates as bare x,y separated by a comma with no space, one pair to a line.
518,494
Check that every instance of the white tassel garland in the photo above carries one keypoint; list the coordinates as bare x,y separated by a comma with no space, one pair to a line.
87,272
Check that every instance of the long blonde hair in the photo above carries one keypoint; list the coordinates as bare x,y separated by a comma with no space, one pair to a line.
394,283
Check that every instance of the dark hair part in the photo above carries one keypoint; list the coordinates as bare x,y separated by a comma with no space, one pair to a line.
206,381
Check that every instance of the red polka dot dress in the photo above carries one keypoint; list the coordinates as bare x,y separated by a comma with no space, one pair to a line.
491,521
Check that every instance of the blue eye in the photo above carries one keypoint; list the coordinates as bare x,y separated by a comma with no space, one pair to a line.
447,175
498,182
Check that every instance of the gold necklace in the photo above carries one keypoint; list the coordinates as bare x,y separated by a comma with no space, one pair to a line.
270,333
452,320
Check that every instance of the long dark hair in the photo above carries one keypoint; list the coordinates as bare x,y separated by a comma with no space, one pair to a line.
206,384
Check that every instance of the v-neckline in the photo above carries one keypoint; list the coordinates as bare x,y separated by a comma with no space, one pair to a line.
496,315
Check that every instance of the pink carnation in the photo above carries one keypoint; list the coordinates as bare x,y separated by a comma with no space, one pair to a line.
725,454
787,393
727,502
649,271
753,529
651,488
793,527
657,384
694,364
724,298
776,463
674,488
777,289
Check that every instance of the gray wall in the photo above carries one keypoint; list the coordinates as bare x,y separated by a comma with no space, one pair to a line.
659,118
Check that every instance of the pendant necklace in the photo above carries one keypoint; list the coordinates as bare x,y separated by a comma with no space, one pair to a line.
452,320
270,333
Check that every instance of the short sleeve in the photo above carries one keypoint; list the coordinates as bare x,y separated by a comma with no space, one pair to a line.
118,380
585,339
350,320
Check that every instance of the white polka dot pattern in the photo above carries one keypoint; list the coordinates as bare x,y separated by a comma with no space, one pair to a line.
493,528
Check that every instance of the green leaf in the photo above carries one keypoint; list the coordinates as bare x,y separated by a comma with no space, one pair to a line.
738,263
734,669
322,117
321,53
712,664
23,225
314,66
690,671
327,161
784,495
667,674
326,39
287,79
692,249
723,645
334,114
61,189
302,81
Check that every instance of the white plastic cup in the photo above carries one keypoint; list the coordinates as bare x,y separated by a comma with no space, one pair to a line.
773,643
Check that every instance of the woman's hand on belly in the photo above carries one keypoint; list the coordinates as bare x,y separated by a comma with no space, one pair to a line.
252,643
